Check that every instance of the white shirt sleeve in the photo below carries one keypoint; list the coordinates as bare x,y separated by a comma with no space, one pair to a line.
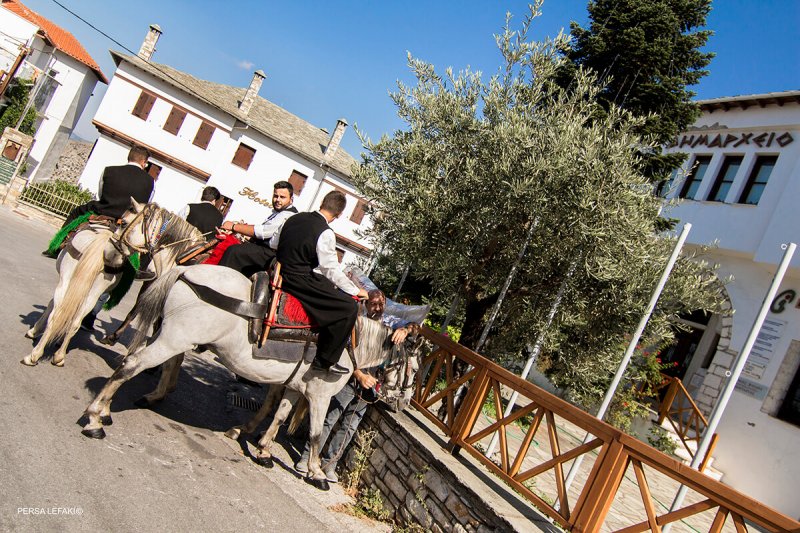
329,265
276,237
270,226
183,213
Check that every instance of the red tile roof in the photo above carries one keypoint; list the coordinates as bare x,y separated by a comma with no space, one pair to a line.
57,36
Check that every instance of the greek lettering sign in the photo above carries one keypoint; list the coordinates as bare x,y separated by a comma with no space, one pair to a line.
734,140
763,349
752,389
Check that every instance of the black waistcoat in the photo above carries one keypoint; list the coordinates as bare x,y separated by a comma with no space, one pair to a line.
297,247
119,185
205,217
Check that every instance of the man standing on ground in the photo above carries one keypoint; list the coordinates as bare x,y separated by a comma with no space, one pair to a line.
350,404
306,249
254,256
206,215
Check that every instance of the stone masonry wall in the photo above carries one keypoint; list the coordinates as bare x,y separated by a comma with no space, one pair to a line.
70,165
416,486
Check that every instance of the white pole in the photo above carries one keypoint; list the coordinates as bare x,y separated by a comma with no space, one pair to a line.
573,471
537,347
402,281
451,312
738,366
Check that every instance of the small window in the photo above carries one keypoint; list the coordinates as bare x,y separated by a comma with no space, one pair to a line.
358,212
758,179
340,254
203,136
224,205
153,169
730,166
694,178
243,156
144,105
174,120
298,181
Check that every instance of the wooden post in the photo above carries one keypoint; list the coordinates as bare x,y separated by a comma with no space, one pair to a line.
593,506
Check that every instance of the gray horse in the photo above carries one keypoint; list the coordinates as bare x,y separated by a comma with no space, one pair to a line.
188,321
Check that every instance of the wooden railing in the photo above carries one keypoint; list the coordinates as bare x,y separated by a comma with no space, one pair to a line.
608,455
684,416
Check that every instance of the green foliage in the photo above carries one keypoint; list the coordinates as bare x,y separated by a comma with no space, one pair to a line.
659,439
370,503
54,195
363,449
482,166
648,53
17,98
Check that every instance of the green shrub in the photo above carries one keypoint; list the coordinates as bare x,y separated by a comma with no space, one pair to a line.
56,196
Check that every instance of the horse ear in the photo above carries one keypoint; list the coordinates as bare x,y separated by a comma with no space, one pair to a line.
137,207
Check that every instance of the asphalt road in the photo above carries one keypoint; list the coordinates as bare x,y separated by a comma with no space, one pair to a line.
167,469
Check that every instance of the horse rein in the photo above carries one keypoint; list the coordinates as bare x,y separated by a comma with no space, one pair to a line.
152,232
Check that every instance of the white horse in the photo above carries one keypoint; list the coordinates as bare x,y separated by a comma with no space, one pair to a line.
188,321
92,263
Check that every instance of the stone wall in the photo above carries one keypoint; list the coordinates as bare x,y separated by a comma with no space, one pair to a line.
70,165
421,483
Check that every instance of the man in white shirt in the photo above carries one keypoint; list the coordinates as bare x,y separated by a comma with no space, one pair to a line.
256,255
306,249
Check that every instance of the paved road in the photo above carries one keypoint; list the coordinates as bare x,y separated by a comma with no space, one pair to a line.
169,469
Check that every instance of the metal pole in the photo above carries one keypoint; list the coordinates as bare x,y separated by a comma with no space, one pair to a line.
738,366
451,312
537,347
573,471
400,285
506,285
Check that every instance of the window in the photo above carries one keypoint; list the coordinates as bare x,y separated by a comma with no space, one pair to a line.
758,179
203,136
298,181
243,156
46,91
694,178
790,409
174,120
358,212
663,188
143,105
153,169
224,205
730,166
340,254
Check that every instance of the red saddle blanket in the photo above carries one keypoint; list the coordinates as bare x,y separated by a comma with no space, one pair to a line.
219,250
291,313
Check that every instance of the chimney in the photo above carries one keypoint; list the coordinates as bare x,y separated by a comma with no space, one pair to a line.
149,44
252,92
335,140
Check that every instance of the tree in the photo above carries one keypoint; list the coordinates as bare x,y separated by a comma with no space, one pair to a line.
481,166
647,53
16,100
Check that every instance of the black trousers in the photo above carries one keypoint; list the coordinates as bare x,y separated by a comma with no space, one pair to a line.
334,311
248,257
78,211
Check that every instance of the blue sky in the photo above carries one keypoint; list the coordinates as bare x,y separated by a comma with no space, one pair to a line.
326,60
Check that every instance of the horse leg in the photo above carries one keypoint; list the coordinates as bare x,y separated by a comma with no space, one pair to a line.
166,384
149,357
263,411
97,289
32,359
264,456
317,409
112,338
37,329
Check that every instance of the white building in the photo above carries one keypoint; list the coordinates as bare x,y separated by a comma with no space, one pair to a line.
33,48
204,133
740,187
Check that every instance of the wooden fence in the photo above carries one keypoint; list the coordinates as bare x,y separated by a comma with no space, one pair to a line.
608,455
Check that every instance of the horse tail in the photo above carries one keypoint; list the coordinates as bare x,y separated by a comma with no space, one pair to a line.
298,416
150,306
83,277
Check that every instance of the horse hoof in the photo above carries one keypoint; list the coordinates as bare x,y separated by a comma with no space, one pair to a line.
28,362
321,484
29,335
266,462
97,433
233,433
57,363
143,403
106,420
108,341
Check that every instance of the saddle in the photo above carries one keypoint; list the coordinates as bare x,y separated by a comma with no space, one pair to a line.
286,320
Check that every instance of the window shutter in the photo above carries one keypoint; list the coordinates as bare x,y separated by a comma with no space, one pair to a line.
298,181
154,170
174,121
203,136
243,156
143,105
358,212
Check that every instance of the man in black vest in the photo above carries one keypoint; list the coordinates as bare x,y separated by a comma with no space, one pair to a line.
306,249
118,185
206,215
256,255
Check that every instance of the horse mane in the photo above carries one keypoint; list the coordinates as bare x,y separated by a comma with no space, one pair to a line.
179,232
374,342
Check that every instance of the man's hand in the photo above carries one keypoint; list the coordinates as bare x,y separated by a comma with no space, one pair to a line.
399,335
364,379
362,294
227,225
